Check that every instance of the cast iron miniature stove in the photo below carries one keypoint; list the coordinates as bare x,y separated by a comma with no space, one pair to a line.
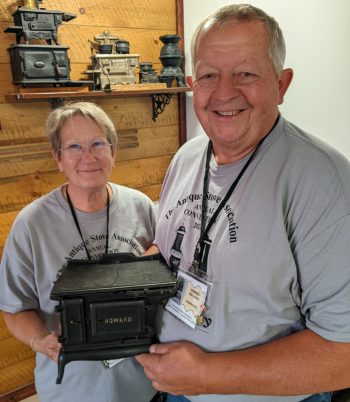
34,64
36,23
112,65
107,307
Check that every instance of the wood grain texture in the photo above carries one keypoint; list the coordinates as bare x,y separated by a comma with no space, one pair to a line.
4,332
150,14
23,123
15,376
19,394
16,361
8,358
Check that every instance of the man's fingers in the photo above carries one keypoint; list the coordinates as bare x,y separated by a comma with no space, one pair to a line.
147,359
159,349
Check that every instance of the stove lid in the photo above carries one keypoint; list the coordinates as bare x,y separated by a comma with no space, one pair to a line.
113,272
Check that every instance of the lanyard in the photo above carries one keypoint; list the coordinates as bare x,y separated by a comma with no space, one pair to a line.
74,215
205,230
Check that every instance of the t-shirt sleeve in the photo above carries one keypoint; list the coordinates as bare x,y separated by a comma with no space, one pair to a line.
323,264
17,278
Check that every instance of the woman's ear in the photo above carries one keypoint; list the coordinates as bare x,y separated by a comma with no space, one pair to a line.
114,155
57,157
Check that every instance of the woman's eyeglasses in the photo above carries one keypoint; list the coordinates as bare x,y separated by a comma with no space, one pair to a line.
97,148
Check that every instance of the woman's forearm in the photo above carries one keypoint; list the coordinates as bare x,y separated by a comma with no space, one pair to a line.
28,328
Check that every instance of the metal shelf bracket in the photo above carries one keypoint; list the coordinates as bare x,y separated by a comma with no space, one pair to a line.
159,101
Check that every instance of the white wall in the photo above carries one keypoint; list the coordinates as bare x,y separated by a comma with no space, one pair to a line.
317,35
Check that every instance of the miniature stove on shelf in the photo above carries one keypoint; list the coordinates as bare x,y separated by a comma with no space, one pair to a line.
39,64
112,64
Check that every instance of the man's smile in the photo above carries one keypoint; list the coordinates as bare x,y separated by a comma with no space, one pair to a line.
228,113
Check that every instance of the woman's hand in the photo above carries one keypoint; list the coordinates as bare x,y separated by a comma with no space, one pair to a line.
47,344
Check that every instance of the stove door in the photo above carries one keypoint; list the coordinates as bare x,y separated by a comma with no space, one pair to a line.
72,321
38,64
49,64
117,319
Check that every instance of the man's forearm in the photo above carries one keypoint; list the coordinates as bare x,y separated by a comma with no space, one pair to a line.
299,364
302,363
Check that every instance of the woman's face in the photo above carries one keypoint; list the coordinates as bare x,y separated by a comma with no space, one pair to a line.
86,156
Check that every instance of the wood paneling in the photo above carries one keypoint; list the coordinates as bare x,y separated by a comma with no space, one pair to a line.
148,14
27,169
16,361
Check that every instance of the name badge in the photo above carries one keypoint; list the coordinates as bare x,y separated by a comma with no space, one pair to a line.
111,363
188,304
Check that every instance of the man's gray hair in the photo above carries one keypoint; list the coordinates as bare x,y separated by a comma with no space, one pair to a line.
240,13
61,115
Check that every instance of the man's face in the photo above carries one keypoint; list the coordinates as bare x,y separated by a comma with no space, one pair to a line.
236,91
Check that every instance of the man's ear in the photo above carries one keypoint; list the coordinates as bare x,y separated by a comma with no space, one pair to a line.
285,79
189,81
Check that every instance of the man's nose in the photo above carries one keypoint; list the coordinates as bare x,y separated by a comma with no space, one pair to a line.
226,88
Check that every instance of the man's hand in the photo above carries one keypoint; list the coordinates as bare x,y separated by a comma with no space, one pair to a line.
177,368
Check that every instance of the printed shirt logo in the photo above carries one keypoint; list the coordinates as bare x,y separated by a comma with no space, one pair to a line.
190,208
96,245
188,211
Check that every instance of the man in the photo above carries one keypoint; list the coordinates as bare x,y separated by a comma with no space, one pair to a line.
256,221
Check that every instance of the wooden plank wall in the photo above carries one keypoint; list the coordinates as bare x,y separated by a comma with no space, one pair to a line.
27,169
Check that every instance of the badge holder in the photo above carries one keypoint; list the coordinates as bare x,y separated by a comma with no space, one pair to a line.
191,300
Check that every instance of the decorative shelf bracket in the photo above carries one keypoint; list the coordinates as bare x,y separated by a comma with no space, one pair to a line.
57,102
159,101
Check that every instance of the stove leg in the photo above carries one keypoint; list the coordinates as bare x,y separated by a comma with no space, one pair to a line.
60,367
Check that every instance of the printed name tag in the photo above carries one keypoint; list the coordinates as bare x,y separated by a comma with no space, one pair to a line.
111,363
188,302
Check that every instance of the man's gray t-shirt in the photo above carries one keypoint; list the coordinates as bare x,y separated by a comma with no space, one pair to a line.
278,253
42,239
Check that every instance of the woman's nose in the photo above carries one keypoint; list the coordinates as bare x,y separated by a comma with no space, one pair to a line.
86,153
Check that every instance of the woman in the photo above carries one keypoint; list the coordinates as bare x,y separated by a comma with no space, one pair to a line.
83,219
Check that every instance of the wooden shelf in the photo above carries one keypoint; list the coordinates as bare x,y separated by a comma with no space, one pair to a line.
135,91
160,96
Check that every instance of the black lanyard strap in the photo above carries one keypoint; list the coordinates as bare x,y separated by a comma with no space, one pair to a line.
205,230
74,215
107,218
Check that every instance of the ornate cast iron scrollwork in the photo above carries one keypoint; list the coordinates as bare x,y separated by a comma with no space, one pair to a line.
159,101
57,102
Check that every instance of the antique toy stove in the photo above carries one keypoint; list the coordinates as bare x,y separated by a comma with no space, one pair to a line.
34,63
171,58
107,307
113,64
147,74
